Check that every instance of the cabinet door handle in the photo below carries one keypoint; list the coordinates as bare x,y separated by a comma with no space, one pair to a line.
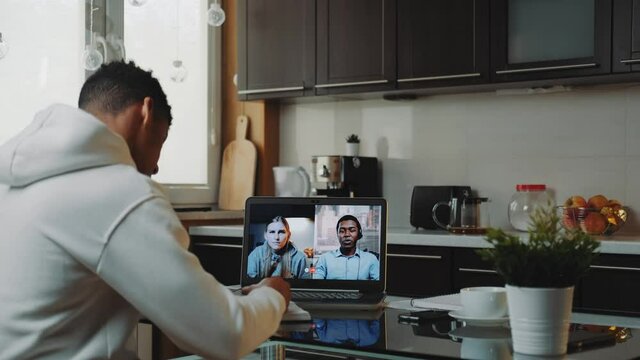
430,257
443,77
355,83
630,61
603,267
271,90
547,68
219,245
483,271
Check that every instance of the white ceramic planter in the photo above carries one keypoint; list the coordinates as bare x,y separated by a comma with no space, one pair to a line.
539,319
353,149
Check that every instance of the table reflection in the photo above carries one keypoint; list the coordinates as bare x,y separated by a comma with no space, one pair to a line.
483,342
386,332
347,332
351,332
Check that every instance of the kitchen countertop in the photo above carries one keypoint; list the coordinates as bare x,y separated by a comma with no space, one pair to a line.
616,244
211,215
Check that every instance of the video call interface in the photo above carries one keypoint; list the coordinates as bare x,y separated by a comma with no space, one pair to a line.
318,242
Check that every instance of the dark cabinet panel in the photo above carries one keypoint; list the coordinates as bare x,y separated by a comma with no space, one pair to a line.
626,36
534,40
276,48
393,47
355,46
612,284
442,42
418,271
470,270
219,256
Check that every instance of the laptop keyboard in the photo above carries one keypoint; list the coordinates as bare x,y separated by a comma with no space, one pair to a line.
312,295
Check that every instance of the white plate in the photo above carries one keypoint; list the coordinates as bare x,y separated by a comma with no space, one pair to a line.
475,321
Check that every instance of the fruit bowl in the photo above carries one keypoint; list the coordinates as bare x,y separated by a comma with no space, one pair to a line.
594,221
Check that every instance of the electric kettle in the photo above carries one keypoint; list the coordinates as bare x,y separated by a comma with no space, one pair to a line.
291,181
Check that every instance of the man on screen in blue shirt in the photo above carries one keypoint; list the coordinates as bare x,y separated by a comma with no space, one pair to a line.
348,262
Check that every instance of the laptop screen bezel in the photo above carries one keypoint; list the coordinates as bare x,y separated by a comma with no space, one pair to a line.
366,286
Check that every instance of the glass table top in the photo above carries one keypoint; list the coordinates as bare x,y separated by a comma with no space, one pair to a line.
384,334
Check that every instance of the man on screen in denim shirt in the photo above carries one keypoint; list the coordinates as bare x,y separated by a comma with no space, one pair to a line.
348,262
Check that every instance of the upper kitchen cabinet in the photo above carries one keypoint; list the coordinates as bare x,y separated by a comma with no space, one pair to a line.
534,40
442,43
626,36
276,48
355,46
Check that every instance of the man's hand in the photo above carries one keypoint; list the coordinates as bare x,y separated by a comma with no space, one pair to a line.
277,283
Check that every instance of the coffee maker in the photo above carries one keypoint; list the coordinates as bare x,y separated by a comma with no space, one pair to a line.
345,176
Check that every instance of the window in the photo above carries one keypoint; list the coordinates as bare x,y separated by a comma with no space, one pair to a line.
155,35
39,70
42,65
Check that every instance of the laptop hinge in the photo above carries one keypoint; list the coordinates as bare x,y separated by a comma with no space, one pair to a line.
325,290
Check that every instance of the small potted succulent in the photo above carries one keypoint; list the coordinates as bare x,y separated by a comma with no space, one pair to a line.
540,273
353,145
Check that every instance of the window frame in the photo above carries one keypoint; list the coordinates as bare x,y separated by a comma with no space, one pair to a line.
183,195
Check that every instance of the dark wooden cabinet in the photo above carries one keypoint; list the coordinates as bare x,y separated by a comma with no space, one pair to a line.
418,271
470,270
611,285
626,36
219,256
442,43
276,48
402,48
355,46
534,40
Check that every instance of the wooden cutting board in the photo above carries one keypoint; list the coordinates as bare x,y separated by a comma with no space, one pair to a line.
238,173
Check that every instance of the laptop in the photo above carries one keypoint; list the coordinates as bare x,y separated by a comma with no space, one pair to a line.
331,250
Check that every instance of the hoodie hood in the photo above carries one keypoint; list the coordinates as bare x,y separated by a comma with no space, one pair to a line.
59,140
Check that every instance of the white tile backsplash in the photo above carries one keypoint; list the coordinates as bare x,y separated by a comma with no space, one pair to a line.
633,122
387,133
585,141
632,191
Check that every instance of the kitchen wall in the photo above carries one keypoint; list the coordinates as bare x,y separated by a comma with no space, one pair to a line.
585,141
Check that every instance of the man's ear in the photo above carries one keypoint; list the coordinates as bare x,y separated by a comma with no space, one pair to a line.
147,111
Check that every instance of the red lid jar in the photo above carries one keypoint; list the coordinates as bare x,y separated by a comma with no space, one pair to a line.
524,202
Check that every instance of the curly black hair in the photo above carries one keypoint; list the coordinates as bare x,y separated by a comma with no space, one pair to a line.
116,85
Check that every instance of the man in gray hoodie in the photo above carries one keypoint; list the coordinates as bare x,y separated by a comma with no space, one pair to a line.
89,242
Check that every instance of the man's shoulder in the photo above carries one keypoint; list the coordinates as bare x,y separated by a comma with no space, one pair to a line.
367,255
125,181
331,254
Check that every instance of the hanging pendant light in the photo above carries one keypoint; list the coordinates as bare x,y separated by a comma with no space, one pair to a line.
215,14
137,2
4,47
91,57
178,70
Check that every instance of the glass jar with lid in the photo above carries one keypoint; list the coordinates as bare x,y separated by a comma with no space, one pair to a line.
524,202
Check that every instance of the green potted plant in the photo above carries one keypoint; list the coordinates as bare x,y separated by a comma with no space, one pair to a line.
540,273
353,145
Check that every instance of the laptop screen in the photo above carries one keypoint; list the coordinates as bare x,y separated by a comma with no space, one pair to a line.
316,243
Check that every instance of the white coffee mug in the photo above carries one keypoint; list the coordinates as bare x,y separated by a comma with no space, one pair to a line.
484,302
